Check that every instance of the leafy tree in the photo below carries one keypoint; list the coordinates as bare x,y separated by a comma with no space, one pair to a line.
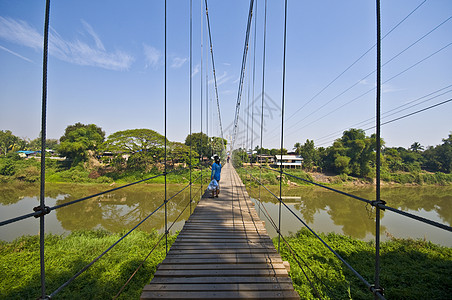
200,143
8,141
277,151
439,158
218,145
309,154
134,140
36,144
78,139
179,152
358,148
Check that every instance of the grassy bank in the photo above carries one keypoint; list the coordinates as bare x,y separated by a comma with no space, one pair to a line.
15,169
269,177
65,256
409,269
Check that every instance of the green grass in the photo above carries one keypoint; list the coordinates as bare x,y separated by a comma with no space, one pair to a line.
65,256
409,269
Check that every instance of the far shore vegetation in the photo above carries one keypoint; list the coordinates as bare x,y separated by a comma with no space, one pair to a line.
84,155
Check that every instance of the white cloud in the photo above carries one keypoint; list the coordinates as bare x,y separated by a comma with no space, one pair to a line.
76,52
178,62
96,38
196,70
20,32
152,56
16,54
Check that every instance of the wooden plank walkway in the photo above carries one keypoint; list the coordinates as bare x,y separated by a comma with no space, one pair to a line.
222,252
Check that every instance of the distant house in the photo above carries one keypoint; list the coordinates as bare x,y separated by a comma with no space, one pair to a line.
288,161
265,158
26,153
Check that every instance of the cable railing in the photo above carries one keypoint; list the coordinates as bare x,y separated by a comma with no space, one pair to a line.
382,205
165,234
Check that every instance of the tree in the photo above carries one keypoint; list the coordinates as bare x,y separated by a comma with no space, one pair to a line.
180,153
297,148
7,141
359,149
309,154
78,139
416,147
200,143
218,145
134,140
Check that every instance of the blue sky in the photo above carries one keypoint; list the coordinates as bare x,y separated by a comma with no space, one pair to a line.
106,66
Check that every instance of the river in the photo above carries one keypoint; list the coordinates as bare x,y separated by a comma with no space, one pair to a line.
322,210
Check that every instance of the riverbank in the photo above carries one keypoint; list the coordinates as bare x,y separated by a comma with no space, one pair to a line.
410,269
271,177
20,170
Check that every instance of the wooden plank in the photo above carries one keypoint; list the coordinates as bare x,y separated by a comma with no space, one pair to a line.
263,295
234,273
244,266
221,287
217,280
221,260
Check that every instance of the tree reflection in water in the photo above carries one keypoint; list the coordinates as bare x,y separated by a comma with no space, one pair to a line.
357,219
123,209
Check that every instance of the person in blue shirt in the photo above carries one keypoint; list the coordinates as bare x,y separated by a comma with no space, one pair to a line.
216,174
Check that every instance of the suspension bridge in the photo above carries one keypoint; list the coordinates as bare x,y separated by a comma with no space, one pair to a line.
223,250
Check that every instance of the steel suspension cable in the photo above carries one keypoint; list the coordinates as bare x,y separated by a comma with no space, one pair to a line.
190,88
282,118
242,72
166,208
214,74
42,207
378,158
262,94
254,77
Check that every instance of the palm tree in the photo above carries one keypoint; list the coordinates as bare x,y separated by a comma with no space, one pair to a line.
416,147
297,148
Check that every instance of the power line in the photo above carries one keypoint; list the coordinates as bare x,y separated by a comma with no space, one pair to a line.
356,61
396,108
370,90
362,79
402,117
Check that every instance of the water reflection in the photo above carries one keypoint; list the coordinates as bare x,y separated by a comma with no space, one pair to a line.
327,211
323,210
116,211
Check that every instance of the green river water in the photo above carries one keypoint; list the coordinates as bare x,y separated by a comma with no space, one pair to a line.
322,210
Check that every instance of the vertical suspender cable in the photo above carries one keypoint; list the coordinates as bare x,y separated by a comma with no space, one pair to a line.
282,123
254,77
190,73
262,100
166,208
202,37
377,216
214,76
43,148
